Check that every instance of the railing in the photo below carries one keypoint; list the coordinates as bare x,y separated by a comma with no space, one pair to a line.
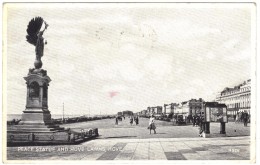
79,119
68,120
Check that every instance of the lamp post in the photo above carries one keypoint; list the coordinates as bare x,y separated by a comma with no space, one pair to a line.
63,112
88,111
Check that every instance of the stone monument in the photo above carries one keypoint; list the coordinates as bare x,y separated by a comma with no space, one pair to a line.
37,80
36,126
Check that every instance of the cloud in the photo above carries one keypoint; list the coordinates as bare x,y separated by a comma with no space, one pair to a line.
104,72
210,55
124,70
198,82
158,66
129,72
245,54
180,70
179,29
199,58
232,43
135,52
123,102
114,87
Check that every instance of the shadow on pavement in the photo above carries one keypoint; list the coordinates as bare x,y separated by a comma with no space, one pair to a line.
117,137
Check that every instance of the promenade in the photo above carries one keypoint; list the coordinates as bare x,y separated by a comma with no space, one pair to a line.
125,142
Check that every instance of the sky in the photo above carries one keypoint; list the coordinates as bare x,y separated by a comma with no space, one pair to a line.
106,58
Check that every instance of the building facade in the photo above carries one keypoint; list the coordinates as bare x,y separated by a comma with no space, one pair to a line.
169,108
119,113
143,112
154,110
128,113
157,110
237,99
192,107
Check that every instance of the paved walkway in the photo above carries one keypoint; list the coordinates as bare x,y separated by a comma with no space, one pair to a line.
126,142
222,148
108,129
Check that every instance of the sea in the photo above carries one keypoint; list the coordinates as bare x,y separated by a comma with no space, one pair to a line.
56,116
53,116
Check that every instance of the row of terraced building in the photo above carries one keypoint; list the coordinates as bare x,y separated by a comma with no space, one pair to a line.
237,99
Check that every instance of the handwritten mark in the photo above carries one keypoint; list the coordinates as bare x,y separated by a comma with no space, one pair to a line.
113,93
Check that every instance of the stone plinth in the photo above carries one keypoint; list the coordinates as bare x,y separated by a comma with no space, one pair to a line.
39,136
37,111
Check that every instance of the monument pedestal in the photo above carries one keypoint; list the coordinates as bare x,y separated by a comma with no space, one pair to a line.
36,111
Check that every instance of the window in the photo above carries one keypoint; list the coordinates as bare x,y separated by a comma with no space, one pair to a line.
34,90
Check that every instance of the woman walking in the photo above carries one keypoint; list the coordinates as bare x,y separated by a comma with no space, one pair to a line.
152,124
131,120
237,118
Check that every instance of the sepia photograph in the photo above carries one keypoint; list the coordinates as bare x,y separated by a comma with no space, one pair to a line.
129,82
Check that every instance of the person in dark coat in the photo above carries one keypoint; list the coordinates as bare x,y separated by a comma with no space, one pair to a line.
245,118
136,120
193,120
131,120
116,121
197,120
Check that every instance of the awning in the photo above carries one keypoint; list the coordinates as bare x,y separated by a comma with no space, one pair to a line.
232,109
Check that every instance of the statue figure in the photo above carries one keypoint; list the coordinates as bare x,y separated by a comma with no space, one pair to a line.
35,38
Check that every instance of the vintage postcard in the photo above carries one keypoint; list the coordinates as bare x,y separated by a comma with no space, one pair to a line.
129,81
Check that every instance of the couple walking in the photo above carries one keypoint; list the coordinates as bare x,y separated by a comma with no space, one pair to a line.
152,124
136,119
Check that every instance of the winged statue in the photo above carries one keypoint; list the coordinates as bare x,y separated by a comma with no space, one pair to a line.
35,30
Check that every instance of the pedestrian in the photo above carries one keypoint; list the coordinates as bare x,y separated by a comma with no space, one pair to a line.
131,120
242,117
245,118
237,117
136,120
193,120
200,131
197,121
116,121
189,118
152,124
201,128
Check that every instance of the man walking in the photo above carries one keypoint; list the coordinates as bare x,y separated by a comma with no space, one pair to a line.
116,120
245,118
136,120
193,120
197,120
